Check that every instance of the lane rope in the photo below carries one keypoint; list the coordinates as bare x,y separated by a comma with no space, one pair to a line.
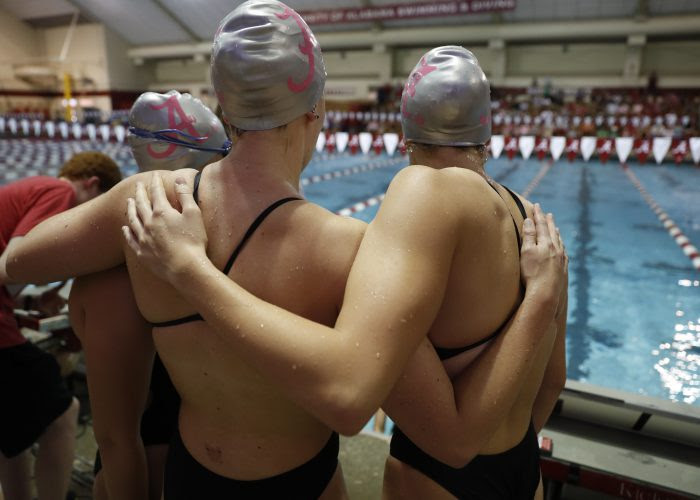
681,239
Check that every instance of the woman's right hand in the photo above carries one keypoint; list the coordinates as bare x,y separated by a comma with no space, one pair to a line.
543,259
164,239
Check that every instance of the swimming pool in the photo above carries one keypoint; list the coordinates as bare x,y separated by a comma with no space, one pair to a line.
634,296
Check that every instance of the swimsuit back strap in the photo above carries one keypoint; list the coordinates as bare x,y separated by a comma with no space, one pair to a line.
195,190
252,229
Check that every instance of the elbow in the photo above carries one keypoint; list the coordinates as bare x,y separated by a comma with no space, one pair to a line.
350,411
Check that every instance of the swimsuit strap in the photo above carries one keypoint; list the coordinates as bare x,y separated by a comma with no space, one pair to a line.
195,190
520,207
256,223
263,215
449,352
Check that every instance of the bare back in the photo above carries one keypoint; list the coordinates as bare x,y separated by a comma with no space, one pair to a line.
483,292
233,420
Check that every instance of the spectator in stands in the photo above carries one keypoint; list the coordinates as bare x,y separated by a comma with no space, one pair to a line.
36,405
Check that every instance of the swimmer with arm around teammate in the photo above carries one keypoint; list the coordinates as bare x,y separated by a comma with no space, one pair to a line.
100,222
116,339
539,389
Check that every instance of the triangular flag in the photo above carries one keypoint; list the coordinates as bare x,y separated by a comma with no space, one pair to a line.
37,127
25,126
391,140
77,131
588,145
63,129
104,132
660,147
50,129
320,142
2,124
119,132
12,124
526,144
623,147
365,142
556,146
497,144
341,141
91,131
695,149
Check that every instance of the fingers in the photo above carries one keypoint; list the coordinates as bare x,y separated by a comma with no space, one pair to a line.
540,225
135,223
131,240
552,229
142,205
529,234
184,195
157,193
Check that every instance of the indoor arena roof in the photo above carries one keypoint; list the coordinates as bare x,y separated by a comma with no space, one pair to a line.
150,22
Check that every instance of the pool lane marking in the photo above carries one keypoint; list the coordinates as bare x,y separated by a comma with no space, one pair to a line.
681,239
536,180
360,206
373,165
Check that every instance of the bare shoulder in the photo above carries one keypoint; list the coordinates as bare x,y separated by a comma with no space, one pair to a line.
336,230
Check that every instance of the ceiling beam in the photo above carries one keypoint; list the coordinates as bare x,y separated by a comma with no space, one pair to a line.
476,34
177,20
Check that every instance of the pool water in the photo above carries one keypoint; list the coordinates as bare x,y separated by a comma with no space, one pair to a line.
634,296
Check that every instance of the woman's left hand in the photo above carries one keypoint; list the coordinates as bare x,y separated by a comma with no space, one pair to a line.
165,240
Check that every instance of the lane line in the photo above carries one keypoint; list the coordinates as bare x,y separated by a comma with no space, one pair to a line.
536,180
327,176
676,233
360,206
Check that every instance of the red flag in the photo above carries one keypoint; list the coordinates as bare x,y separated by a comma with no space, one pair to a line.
541,147
378,144
572,147
402,146
354,144
330,142
604,147
511,147
642,147
679,150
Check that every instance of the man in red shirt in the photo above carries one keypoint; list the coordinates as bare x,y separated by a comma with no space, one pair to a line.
36,405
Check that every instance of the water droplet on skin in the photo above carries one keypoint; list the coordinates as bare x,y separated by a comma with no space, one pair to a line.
262,325
379,355
294,367
357,344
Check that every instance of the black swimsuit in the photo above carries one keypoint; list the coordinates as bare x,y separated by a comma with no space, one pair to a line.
513,474
185,478
227,268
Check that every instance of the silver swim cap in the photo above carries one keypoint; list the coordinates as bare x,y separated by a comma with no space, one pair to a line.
172,131
266,66
447,100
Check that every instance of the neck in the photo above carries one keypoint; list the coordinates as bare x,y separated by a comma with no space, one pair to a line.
269,157
446,157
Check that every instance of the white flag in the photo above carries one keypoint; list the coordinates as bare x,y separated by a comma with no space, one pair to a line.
660,147
119,132
556,146
320,142
341,141
526,144
50,129
695,149
77,131
623,147
588,144
497,145
391,140
365,141
104,132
